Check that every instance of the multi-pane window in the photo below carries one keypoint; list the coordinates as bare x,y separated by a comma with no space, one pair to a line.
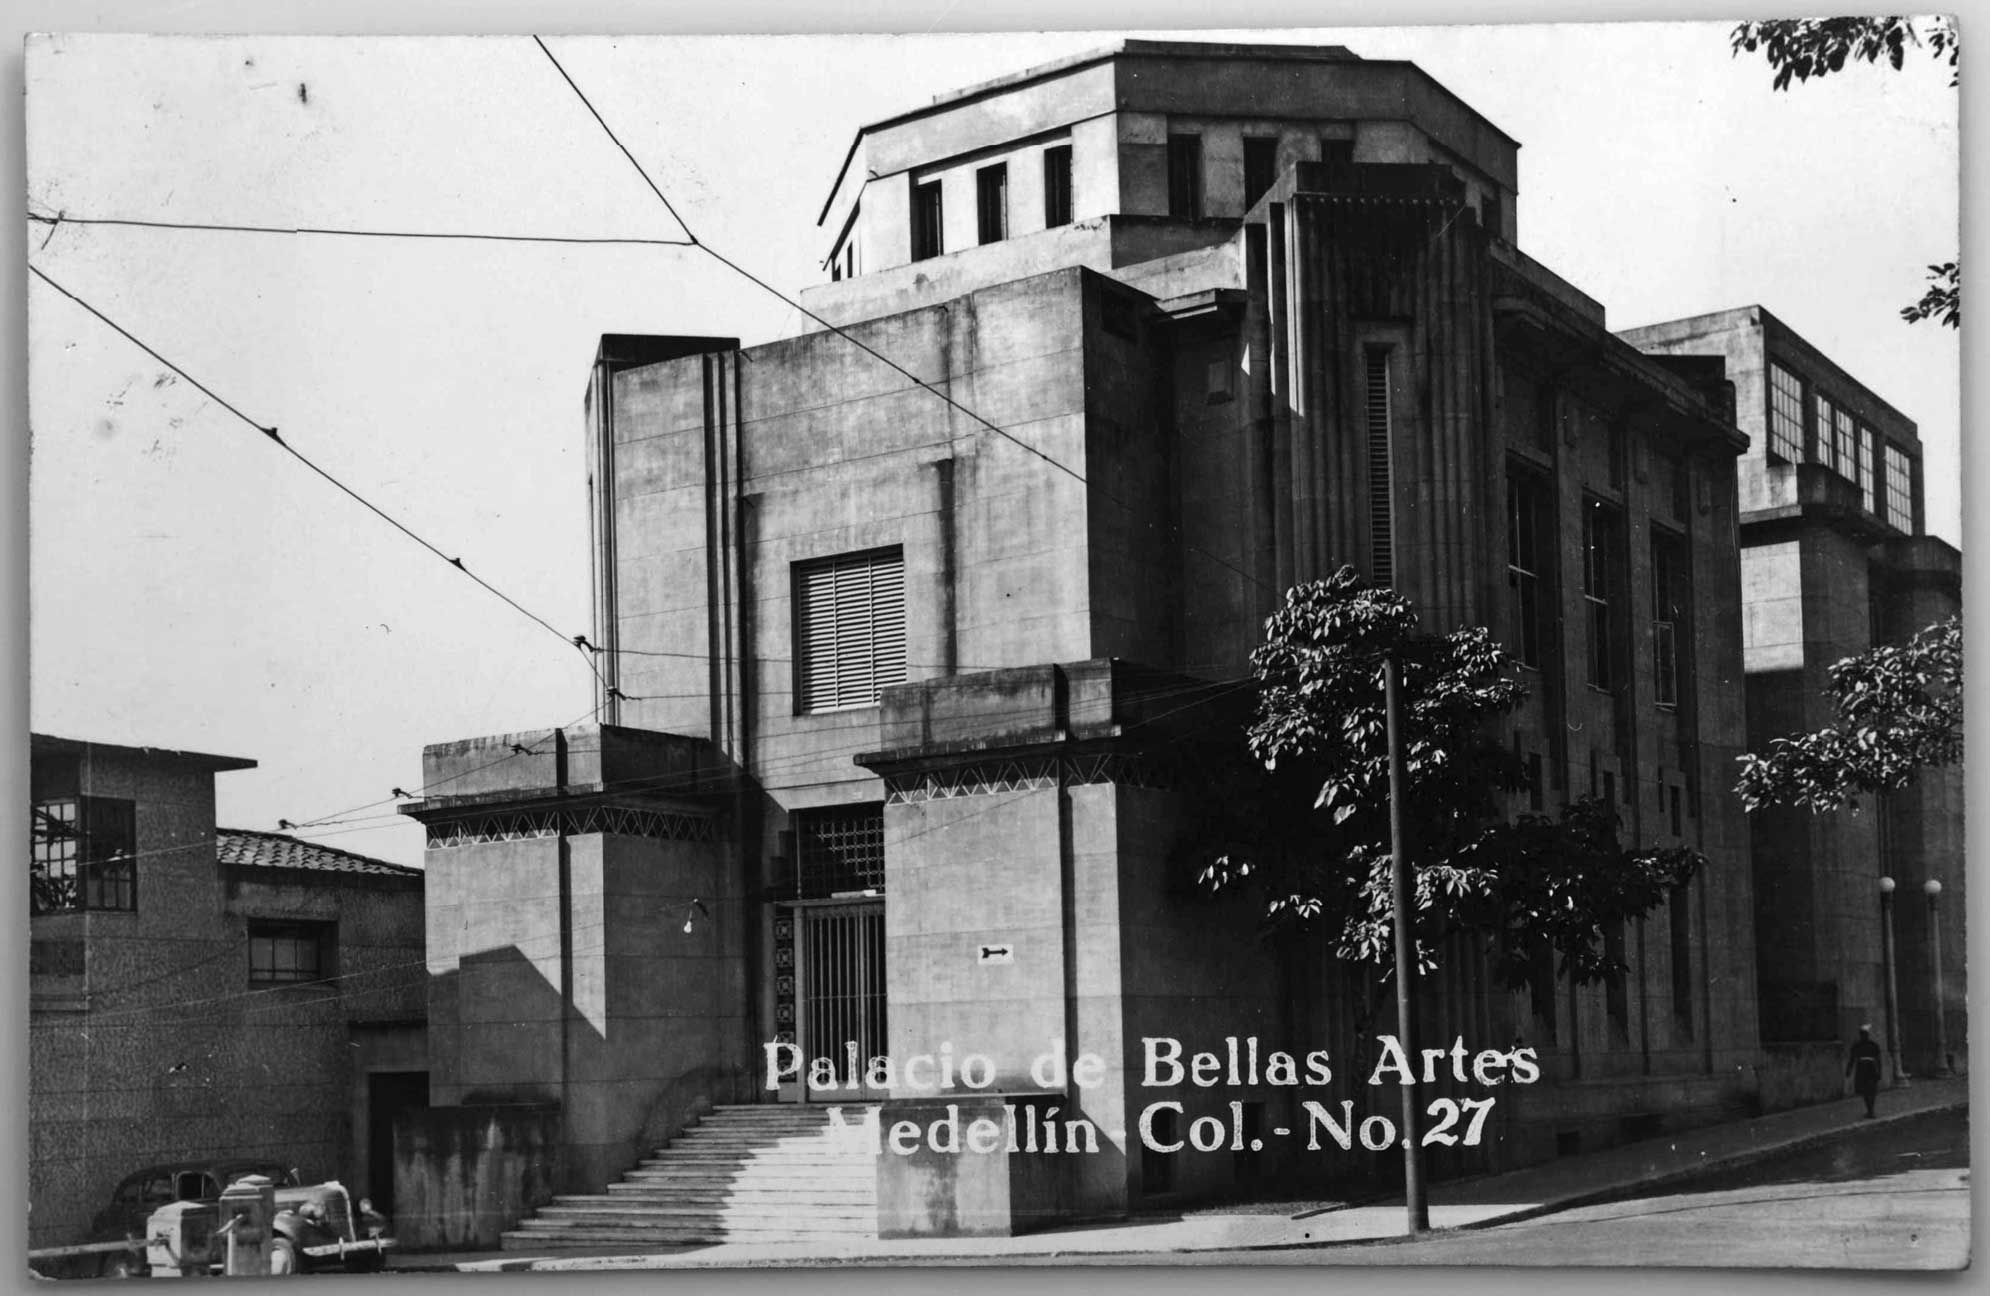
1381,471
1867,497
1668,615
850,629
1260,166
1827,448
991,202
1602,556
1057,186
289,953
927,238
83,855
1785,414
1527,548
1899,488
1185,177
839,851
1847,438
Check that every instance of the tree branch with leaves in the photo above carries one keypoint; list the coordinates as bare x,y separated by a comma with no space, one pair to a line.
1312,837
1804,49
1900,711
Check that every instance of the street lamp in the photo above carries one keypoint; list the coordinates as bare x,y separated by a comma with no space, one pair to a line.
1933,888
1886,885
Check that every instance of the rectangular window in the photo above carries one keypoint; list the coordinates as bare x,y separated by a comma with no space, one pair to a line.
1381,471
1867,498
991,202
1602,557
83,855
850,629
1670,601
927,239
1337,152
1847,453
1785,415
289,953
1826,450
1527,548
839,851
1185,177
1057,186
1260,166
1899,488
1681,906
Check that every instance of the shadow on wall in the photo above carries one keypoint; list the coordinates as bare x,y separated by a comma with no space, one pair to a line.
464,1173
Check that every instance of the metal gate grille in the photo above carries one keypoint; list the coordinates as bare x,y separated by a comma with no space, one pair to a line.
842,986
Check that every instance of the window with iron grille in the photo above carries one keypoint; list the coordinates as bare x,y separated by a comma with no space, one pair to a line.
1867,498
82,855
1602,556
1670,601
1785,415
1381,470
1527,548
991,202
927,238
850,629
1260,166
1826,451
1899,488
1185,177
839,850
1057,186
290,953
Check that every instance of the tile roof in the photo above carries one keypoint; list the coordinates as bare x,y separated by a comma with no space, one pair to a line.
240,846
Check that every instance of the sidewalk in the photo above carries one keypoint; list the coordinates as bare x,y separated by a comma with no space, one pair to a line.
1464,1203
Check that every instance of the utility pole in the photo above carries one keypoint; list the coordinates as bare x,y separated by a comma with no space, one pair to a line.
1402,900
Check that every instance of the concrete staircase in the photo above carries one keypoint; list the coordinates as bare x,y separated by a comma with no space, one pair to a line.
742,1174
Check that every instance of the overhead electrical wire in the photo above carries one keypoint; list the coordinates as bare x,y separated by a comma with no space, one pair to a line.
60,219
576,642
840,332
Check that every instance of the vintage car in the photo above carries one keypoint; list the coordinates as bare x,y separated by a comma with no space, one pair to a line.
316,1225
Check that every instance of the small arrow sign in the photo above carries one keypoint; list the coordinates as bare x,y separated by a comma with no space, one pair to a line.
997,954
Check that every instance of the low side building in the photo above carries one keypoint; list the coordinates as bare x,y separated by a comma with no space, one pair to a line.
1835,558
203,993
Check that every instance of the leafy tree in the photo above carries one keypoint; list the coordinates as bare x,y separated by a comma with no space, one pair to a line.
1804,48
1900,709
1312,836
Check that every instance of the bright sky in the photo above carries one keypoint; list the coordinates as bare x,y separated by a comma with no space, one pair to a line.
194,587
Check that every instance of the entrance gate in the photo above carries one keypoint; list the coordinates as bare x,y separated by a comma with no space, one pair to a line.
840,991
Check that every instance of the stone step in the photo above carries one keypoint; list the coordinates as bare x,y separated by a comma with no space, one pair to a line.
719,1195
663,1237
800,1215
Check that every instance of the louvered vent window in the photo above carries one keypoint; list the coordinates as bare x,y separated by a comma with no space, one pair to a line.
1381,473
851,616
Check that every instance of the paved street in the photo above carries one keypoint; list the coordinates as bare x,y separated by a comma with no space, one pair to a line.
1895,1196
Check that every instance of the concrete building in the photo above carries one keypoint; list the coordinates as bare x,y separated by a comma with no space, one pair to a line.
200,993
1835,558
913,667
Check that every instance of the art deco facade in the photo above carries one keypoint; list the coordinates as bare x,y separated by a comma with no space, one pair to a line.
911,666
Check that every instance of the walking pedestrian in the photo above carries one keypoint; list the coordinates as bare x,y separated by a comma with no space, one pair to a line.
1862,1065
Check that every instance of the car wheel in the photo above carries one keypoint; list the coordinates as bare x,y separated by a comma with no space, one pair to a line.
282,1257
125,1264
